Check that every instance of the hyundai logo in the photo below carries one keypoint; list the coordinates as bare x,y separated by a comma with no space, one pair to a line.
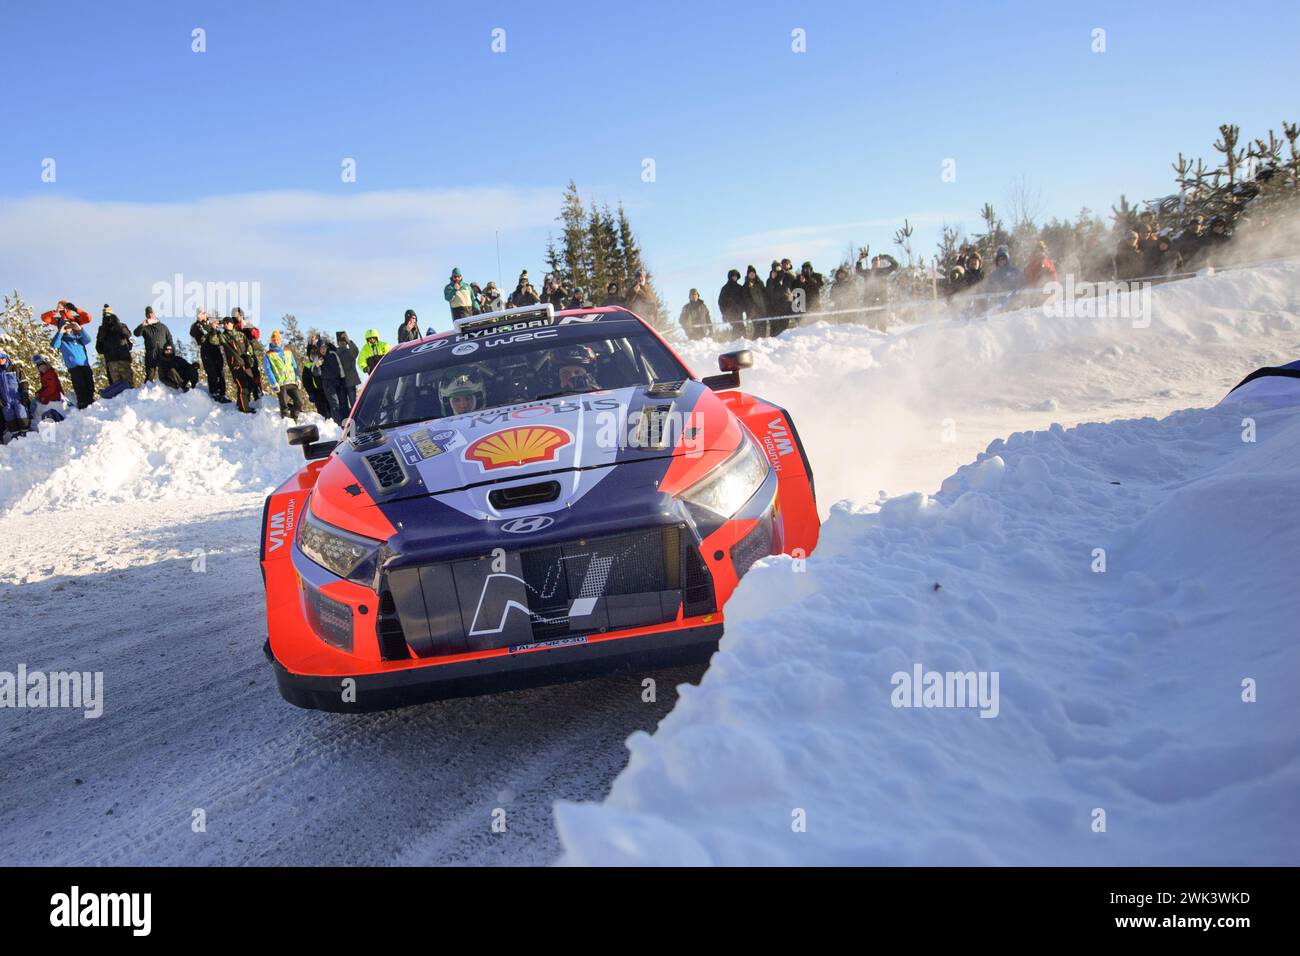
527,525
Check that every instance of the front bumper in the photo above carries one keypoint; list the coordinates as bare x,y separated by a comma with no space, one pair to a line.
580,660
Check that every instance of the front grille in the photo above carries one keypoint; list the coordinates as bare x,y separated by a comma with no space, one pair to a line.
638,579
388,472
753,546
388,628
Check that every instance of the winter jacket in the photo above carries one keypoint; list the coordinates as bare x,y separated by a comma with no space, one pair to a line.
331,373
156,337
780,294
59,313
695,317
236,349
811,283
520,298
51,390
731,301
72,348
372,352
113,340
13,396
1040,270
175,371
1006,278
348,354
463,298
756,307
281,367
643,302
405,334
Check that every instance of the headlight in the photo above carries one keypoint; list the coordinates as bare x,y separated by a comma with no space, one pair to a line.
714,500
340,552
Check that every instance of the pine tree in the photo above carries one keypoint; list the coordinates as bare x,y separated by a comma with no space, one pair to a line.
293,336
629,249
22,335
575,252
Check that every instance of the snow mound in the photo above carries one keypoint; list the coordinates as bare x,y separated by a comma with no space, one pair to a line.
148,445
900,410
1127,582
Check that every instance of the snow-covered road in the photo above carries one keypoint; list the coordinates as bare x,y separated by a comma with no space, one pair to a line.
192,720
130,548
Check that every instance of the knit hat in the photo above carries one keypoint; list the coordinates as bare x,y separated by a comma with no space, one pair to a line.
455,273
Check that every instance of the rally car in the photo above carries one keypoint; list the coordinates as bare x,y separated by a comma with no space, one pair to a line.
533,497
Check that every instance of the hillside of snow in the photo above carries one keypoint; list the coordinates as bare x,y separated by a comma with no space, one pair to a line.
1120,684
152,444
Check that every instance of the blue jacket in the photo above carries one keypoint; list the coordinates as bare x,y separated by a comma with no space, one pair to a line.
72,348
288,364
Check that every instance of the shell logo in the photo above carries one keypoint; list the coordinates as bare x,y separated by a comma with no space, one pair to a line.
517,446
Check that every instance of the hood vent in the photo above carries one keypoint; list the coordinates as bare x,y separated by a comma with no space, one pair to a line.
388,471
521,495
665,389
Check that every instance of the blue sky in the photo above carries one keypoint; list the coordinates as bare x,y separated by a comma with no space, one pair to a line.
224,166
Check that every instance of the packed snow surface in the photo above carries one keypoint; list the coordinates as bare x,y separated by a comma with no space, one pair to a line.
132,550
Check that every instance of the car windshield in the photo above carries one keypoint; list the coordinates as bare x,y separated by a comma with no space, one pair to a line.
459,375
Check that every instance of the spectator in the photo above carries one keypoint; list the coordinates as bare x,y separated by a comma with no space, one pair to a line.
66,311
410,329
695,318
71,341
14,400
1191,244
845,293
810,283
1128,257
333,378
209,355
49,401
731,303
348,356
642,299
371,353
1040,269
252,335
579,300
974,269
756,307
156,336
520,297
490,298
310,376
238,353
1161,258
113,342
460,296
1005,277
281,372
175,371
553,291
875,289
612,296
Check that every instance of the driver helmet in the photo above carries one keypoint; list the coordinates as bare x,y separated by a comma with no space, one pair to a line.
462,392
574,367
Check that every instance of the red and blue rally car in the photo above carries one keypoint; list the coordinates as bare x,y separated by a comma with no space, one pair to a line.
536,496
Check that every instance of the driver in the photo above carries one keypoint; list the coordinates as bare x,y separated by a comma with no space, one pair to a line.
462,392
574,368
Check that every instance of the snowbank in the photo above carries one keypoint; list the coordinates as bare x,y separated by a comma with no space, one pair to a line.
1118,690
150,444
898,411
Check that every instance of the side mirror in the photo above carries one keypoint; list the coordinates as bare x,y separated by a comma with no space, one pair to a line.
730,363
303,434
735,361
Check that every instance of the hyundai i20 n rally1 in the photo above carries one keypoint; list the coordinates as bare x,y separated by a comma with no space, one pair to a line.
533,497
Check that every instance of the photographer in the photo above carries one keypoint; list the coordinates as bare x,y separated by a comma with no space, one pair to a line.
113,341
72,341
209,355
